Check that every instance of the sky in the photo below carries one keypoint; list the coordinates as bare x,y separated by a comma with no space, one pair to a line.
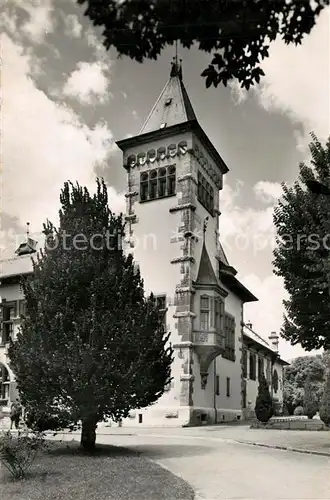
65,101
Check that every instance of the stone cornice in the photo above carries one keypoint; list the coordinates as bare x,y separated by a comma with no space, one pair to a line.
184,206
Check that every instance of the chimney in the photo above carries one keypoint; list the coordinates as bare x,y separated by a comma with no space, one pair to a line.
249,325
274,338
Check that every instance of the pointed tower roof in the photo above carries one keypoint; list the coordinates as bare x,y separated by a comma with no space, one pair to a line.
206,274
172,114
172,107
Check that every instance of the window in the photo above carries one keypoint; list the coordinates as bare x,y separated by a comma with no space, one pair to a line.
158,183
252,366
22,307
261,368
229,328
161,304
218,314
228,387
205,313
244,363
217,385
205,193
4,382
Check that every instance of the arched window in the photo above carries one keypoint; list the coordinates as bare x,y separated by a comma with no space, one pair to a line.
162,182
158,183
4,383
144,186
171,181
153,185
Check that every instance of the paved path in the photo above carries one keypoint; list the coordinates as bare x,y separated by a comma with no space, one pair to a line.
218,468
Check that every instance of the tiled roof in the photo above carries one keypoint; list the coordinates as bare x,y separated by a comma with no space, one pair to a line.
16,266
259,340
254,336
172,107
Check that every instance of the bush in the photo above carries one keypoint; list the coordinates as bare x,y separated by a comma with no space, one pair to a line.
325,401
277,407
18,453
299,411
310,400
264,404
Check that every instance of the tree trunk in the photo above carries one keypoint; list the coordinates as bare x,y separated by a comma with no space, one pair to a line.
88,434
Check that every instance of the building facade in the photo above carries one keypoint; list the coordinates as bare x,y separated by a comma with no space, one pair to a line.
12,306
174,180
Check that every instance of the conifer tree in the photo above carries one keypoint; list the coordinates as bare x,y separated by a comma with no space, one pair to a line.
264,405
310,399
91,346
302,253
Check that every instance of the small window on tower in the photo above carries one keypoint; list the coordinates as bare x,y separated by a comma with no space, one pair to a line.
153,185
162,125
168,101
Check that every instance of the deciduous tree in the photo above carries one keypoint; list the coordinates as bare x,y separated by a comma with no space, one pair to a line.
92,346
302,253
237,32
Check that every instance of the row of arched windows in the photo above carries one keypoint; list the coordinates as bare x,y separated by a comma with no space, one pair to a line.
158,183
152,155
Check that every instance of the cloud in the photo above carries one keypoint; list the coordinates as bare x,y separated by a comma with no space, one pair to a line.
88,83
297,82
266,315
268,192
297,79
73,27
236,220
40,21
43,145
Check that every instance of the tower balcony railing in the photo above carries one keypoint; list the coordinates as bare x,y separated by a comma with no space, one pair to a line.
209,338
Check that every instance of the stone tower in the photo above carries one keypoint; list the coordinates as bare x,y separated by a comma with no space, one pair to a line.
174,175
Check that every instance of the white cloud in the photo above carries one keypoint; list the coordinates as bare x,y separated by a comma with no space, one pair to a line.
248,233
297,82
40,21
297,79
268,192
43,145
73,27
238,220
88,83
266,315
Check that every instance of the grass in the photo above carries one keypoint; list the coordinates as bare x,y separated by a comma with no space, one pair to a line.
111,473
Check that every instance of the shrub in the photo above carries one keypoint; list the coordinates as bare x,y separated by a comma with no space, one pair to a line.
18,453
325,401
264,404
277,407
310,400
298,411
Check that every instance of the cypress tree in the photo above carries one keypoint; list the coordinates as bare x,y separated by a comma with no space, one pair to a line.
264,404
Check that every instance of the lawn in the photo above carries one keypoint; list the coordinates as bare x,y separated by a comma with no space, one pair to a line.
111,473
